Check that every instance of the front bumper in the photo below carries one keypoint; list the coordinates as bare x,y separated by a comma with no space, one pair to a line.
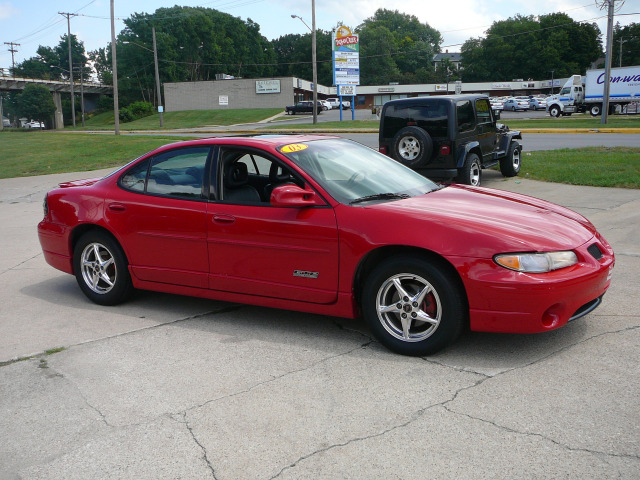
506,301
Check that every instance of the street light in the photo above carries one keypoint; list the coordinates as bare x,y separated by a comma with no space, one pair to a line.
552,81
155,61
313,57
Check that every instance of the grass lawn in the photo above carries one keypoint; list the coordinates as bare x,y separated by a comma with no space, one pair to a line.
41,153
574,121
186,119
594,166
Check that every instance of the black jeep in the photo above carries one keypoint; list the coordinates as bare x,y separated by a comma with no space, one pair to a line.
449,136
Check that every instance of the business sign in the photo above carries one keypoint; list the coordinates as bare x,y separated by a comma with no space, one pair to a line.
267,86
346,57
496,86
347,90
442,88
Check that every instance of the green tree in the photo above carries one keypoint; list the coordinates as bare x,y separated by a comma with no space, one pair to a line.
53,63
35,103
629,53
194,43
293,56
530,47
396,47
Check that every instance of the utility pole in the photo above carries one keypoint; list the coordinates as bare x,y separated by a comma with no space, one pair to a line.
314,60
607,63
114,68
73,100
155,59
621,40
13,50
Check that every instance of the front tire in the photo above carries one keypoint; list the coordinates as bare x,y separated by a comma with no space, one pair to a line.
510,164
471,171
413,306
555,111
100,267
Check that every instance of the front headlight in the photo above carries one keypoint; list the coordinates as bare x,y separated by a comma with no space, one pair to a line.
536,262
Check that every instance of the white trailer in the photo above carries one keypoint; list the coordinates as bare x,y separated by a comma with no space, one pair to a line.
580,94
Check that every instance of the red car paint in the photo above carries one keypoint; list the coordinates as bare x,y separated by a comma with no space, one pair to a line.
247,253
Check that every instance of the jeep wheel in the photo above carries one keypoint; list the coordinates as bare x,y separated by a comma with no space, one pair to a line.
510,164
412,146
471,172
555,111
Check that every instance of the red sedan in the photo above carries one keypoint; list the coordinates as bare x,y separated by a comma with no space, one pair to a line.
326,225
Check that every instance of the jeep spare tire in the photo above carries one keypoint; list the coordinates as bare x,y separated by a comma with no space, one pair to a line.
412,147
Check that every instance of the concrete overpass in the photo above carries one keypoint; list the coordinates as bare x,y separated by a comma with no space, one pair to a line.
10,83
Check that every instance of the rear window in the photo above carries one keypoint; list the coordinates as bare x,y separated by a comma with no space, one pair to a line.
431,116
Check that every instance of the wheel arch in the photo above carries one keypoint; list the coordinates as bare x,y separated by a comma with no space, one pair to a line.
471,147
80,230
372,259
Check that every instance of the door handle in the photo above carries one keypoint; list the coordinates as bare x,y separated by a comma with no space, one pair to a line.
117,207
225,219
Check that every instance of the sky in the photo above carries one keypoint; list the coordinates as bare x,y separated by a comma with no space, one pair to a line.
37,22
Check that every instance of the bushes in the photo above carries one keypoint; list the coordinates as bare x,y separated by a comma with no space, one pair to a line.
135,111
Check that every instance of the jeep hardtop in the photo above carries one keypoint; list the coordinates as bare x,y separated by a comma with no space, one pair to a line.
449,136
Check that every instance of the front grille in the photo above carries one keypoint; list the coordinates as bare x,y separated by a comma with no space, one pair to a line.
595,251
586,308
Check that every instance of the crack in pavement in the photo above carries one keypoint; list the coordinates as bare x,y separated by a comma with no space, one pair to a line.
444,404
21,263
205,457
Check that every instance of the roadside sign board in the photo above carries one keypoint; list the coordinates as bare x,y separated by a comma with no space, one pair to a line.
346,57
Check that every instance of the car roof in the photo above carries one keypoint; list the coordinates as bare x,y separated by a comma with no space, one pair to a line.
257,141
450,98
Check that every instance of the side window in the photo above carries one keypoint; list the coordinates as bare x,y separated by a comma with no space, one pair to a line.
466,118
178,173
136,177
483,109
249,178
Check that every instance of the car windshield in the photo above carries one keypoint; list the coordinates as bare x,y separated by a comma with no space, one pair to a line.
354,174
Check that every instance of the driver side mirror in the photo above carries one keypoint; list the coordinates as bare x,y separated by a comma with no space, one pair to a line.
294,196
496,114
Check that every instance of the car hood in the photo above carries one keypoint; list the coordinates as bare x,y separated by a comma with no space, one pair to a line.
488,221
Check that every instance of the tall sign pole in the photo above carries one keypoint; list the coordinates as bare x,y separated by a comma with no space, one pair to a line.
346,64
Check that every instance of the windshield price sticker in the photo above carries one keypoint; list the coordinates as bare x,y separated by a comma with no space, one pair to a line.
294,147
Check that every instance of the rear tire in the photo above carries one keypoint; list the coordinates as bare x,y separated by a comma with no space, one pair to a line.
471,171
413,306
101,268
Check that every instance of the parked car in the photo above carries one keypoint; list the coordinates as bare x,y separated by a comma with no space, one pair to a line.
325,105
302,107
496,104
538,104
33,124
327,226
335,103
516,104
449,136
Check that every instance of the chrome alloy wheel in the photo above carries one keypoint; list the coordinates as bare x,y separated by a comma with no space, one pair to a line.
515,159
409,148
98,268
475,173
408,307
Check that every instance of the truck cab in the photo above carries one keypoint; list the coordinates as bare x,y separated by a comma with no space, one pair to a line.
570,97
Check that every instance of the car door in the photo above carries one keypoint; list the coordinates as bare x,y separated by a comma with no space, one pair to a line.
258,249
160,213
486,129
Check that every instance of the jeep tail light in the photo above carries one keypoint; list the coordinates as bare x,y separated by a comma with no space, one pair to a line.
445,150
382,149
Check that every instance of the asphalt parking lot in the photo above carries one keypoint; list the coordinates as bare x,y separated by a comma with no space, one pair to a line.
174,387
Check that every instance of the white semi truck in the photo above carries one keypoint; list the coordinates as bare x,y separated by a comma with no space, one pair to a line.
580,94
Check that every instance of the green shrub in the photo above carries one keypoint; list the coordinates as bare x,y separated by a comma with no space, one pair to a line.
135,111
